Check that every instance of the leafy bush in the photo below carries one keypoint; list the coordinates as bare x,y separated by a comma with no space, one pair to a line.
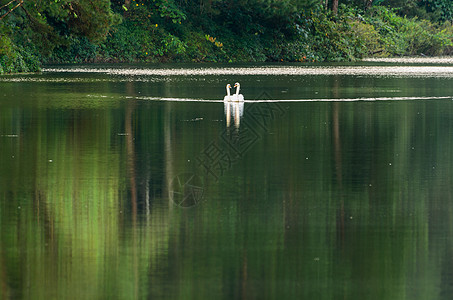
78,50
317,35
14,59
332,37
404,36
368,38
217,31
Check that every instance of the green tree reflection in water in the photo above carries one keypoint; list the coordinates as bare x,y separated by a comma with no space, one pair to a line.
347,200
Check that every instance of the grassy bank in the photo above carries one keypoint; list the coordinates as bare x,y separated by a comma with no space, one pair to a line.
315,34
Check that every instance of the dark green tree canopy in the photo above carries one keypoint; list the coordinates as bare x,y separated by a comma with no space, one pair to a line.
54,21
72,31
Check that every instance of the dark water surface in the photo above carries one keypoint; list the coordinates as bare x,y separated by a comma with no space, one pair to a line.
138,182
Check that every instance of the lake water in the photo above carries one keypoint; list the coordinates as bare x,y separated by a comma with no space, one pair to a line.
139,182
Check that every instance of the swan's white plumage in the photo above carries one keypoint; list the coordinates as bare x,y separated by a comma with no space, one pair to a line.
228,96
237,96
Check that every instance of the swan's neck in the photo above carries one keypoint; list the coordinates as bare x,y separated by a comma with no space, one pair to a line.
237,90
228,91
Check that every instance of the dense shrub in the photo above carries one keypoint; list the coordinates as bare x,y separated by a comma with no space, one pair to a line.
409,36
14,59
218,31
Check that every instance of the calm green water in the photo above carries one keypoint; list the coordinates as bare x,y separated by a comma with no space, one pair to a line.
137,182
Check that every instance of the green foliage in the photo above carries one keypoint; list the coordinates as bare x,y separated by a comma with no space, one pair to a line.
77,50
437,11
59,19
223,30
367,36
131,43
403,36
15,59
90,19
442,9
257,30
58,30
332,38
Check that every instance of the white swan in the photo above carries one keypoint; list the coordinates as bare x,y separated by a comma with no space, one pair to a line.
228,96
237,96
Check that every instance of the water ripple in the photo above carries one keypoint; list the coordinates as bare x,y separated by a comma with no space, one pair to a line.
297,100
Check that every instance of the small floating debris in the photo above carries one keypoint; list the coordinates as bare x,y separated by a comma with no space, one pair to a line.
10,135
193,120
96,96
387,71
123,134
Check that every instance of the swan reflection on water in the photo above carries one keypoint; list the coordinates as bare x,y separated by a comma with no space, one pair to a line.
235,110
233,105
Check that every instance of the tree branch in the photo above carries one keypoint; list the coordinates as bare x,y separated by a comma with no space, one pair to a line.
12,9
3,6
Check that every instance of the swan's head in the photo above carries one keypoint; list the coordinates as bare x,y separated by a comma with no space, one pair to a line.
228,86
237,84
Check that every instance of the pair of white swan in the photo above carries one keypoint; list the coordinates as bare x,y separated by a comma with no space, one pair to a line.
235,97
